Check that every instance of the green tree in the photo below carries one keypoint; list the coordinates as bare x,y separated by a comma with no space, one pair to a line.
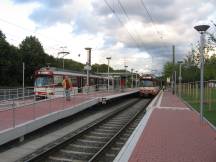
9,63
101,68
32,53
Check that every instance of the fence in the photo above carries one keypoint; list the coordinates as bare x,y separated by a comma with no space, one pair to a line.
190,92
8,94
18,111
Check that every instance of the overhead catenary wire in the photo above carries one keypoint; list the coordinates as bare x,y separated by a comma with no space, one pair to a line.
121,22
153,23
151,19
128,18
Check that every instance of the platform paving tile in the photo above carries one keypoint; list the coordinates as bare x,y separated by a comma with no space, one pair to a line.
170,100
174,135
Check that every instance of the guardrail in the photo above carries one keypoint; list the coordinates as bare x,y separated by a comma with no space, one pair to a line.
8,94
18,111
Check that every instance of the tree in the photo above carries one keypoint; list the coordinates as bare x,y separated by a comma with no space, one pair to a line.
9,61
32,53
101,68
168,70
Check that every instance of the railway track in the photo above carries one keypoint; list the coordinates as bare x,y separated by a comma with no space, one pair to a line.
98,141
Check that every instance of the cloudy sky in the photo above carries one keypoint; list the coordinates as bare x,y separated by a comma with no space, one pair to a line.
137,33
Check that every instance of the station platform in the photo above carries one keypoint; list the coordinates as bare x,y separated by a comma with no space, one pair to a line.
17,121
170,132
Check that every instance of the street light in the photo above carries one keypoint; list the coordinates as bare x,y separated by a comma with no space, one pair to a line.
125,76
64,53
108,59
202,30
132,78
180,77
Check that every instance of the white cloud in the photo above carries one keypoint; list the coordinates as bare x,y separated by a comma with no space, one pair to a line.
82,23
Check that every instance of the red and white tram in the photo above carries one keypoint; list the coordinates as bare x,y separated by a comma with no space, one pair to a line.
48,81
149,86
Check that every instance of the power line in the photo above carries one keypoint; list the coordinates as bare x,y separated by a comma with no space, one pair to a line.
121,22
151,18
153,22
128,18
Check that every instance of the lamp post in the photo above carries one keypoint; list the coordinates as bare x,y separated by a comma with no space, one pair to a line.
108,59
132,78
180,77
125,76
202,30
63,53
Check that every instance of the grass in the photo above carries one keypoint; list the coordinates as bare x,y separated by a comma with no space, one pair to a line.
209,109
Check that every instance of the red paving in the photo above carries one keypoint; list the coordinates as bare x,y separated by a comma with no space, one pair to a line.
175,136
27,113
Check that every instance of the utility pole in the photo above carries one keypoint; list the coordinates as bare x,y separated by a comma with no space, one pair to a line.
180,77
88,64
132,78
136,78
125,76
108,59
174,72
23,81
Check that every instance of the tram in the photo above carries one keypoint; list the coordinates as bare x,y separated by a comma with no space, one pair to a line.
149,86
48,82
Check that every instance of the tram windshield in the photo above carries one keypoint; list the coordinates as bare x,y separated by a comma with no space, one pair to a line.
148,83
43,81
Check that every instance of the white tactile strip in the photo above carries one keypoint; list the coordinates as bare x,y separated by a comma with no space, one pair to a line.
174,108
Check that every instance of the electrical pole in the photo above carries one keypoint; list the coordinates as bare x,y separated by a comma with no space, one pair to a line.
132,78
88,64
136,78
125,76
23,81
180,77
174,72
108,59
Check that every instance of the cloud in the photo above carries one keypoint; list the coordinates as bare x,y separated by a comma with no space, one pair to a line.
135,34
47,3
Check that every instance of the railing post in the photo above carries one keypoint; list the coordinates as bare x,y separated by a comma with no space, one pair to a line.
4,94
13,109
50,108
9,94
17,93
34,112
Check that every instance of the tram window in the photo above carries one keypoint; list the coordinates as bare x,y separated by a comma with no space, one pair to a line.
43,81
58,79
148,83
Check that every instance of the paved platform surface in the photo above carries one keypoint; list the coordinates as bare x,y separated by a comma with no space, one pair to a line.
174,133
